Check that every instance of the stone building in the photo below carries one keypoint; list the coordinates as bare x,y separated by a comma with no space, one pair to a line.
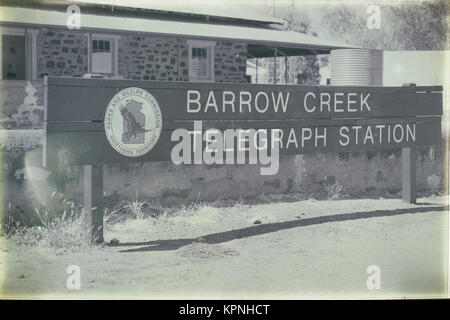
147,42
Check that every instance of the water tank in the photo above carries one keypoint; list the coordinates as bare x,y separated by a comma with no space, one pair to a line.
356,67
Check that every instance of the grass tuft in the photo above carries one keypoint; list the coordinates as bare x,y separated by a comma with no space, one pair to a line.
335,192
68,230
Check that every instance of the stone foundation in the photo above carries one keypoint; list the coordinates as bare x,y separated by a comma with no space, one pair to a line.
357,175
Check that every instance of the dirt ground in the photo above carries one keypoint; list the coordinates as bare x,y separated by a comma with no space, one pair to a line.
286,250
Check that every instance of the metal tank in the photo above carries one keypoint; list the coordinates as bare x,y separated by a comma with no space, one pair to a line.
356,67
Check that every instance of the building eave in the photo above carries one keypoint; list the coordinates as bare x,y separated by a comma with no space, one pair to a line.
261,41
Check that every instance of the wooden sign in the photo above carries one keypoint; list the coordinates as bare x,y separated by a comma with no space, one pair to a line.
81,115
94,121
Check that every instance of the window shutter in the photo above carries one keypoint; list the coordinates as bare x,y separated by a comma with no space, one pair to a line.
200,66
102,56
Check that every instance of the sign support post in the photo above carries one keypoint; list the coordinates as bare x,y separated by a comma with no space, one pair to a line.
409,169
409,174
93,200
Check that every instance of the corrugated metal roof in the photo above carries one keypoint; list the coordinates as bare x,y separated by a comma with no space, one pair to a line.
293,43
216,8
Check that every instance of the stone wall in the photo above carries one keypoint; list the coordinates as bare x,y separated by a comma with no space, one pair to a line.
230,62
153,58
140,57
21,104
360,175
62,53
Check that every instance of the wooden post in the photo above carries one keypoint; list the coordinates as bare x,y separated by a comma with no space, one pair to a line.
409,169
286,73
275,65
178,59
93,200
256,70
409,174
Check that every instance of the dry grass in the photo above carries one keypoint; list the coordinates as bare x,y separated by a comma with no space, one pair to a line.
68,230
335,192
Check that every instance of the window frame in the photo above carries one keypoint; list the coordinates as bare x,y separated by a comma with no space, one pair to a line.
210,53
113,50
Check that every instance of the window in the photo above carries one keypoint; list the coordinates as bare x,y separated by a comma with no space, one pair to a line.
201,64
103,55
101,46
13,57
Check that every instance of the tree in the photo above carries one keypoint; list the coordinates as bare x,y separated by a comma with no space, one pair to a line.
418,25
299,69
405,25
423,26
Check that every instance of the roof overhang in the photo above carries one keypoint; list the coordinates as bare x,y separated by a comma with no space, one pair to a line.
261,42
212,8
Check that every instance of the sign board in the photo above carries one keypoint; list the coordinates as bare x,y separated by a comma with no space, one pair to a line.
92,121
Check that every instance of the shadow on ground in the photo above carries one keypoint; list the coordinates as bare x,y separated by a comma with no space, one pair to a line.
220,237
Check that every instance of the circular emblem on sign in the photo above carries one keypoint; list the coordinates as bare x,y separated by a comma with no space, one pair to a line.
133,122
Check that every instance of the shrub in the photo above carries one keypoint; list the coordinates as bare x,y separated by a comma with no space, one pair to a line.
136,209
